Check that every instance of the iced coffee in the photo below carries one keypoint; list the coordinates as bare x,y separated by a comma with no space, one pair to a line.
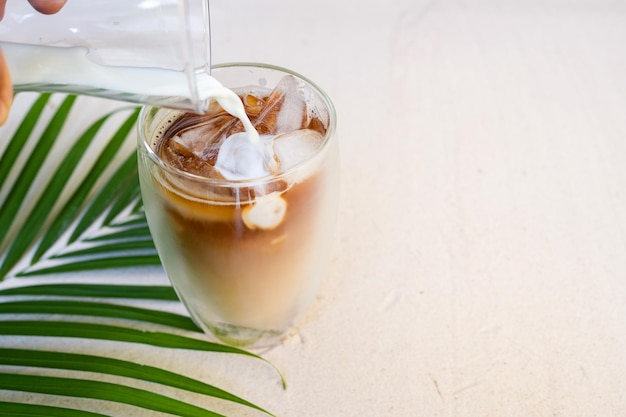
243,220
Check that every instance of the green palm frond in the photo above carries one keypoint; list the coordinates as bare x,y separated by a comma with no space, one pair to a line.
79,362
134,292
16,144
72,211
61,218
104,391
99,309
33,410
17,194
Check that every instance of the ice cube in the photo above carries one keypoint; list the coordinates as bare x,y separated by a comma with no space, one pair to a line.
294,147
266,213
204,137
284,109
191,141
252,104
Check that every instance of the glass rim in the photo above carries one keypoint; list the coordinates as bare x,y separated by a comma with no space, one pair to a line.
223,182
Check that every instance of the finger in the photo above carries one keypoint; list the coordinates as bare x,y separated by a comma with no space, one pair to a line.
3,4
47,6
6,90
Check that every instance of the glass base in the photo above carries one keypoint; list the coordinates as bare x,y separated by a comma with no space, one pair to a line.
241,336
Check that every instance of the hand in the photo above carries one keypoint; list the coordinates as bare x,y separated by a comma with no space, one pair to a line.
6,88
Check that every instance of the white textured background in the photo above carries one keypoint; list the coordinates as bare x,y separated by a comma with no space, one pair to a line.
480,264
480,261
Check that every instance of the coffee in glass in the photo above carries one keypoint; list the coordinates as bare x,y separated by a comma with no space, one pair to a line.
243,223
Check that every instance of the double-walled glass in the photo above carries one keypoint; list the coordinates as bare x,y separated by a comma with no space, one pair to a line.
247,286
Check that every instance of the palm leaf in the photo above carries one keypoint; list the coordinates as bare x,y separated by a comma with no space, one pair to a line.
134,292
103,391
98,205
17,194
129,193
139,230
85,219
21,135
75,203
79,362
109,248
113,333
33,410
51,194
98,309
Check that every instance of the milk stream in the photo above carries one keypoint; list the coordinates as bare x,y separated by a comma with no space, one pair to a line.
38,67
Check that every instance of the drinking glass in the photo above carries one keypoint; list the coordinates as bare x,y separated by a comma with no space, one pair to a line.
247,286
